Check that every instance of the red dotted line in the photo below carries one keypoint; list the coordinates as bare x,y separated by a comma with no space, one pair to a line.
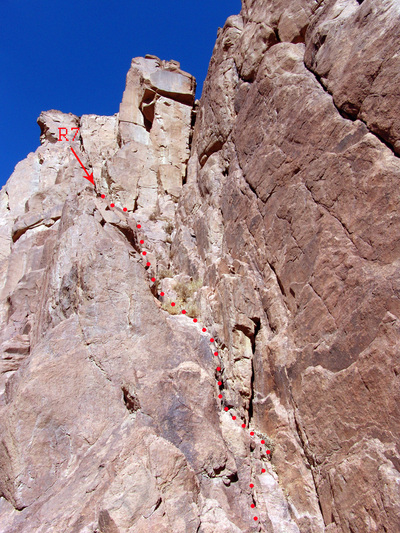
212,340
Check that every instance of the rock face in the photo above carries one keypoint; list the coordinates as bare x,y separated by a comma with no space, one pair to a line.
294,168
211,343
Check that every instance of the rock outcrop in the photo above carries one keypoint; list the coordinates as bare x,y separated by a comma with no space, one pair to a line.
207,339
294,166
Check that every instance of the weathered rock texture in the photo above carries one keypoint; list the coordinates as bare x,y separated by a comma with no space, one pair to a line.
110,420
281,233
292,198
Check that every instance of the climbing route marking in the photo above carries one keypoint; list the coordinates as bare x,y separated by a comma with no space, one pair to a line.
212,340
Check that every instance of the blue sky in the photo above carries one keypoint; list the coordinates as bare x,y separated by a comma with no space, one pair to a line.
74,55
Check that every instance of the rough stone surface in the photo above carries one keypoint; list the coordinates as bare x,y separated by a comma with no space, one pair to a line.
354,50
280,233
110,420
291,201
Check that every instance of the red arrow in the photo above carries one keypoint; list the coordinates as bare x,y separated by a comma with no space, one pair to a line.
88,176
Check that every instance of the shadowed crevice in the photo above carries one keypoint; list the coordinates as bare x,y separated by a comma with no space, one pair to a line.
354,115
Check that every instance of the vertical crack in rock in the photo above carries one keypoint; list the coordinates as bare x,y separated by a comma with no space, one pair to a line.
311,463
278,280
147,107
257,327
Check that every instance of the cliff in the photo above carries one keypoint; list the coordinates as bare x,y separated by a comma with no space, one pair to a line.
207,338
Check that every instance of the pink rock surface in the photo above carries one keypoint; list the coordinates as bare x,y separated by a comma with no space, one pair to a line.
280,235
299,211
